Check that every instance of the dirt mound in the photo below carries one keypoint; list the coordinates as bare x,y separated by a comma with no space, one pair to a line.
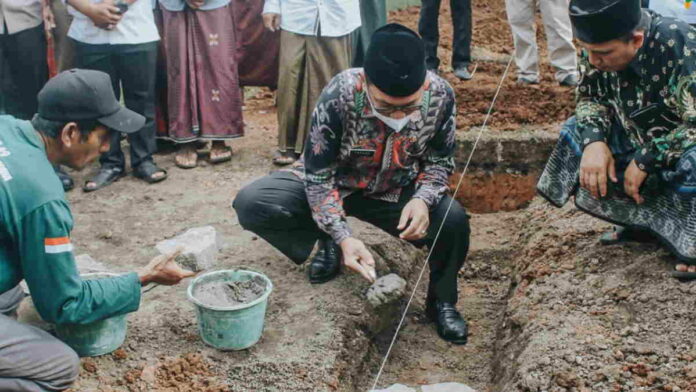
189,372
542,106
587,318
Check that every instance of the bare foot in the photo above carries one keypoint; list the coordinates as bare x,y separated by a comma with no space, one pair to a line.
186,157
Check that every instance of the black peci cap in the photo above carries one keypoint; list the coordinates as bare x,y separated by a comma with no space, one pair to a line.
395,60
598,21
79,94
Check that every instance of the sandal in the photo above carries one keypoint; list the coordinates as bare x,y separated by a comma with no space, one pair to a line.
284,158
65,179
683,276
622,234
184,152
106,176
224,153
147,170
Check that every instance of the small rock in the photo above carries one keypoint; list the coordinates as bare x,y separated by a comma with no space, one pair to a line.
149,374
200,248
386,289
395,388
447,387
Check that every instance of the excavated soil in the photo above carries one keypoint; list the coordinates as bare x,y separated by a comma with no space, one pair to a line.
541,106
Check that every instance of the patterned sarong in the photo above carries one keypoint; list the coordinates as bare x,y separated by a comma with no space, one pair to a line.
669,211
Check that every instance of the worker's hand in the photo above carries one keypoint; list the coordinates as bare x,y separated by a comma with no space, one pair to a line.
195,4
105,15
633,179
416,212
596,166
271,21
164,270
357,258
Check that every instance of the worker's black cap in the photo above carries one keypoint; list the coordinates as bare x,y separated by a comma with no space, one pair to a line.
599,21
395,60
80,95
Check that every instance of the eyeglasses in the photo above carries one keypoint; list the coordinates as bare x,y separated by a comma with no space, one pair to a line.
388,111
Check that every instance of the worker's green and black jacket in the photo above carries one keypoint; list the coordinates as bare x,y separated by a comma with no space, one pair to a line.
662,76
35,225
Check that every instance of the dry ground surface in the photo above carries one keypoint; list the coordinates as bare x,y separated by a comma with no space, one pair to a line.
549,310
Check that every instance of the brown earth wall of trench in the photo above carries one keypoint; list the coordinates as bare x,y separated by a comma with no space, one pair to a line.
504,169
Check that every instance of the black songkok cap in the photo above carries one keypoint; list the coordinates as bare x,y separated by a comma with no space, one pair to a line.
395,60
599,21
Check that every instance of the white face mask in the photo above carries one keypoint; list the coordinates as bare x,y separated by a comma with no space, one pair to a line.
393,123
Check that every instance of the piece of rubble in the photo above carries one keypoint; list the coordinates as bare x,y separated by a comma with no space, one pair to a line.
395,388
200,246
385,290
87,265
447,387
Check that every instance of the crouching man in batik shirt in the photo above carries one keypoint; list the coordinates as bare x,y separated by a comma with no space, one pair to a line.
631,146
380,149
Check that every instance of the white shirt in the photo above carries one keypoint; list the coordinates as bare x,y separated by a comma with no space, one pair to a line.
330,18
19,15
675,9
136,27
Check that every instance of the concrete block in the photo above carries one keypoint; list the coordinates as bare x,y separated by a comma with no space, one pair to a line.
87,265
385,290
447,387
395,388
200,246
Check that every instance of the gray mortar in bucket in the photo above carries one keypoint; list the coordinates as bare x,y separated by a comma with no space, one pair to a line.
230,293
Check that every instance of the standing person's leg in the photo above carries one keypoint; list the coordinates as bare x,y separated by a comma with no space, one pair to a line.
65,50
26,57
275,207
113,162
136,65
429,30
31,360
559,36
373,14
521,18
326,57
291,76
461,51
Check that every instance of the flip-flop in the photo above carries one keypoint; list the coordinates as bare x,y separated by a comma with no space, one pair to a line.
106,176
186,166
621,234
284,158
222,159
683,276
146,170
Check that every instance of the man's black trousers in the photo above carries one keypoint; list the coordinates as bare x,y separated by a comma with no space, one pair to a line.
429,30
275,207
133,68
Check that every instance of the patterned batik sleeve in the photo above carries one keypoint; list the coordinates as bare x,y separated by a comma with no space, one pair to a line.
321,160
593,116
438,162
664,152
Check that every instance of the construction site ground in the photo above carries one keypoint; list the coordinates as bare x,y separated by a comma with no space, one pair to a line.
549,310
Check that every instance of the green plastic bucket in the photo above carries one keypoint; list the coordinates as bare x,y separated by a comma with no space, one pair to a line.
232,327
97,338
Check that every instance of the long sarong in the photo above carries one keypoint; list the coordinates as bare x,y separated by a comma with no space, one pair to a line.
669,211
204,99
258,47
373,14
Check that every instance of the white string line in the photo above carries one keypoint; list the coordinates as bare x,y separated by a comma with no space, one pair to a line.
442,224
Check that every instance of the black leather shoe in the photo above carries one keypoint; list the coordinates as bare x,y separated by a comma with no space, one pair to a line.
450,324
65,178
326,264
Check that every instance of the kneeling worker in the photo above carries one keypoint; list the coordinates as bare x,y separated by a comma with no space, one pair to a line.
631,146
380,148
77,111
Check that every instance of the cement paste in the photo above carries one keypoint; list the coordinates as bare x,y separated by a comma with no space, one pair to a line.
224,294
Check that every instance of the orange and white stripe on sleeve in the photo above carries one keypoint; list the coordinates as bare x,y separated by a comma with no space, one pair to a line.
58,245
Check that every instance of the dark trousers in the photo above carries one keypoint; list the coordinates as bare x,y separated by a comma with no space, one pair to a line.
26,71
131,67
429,30
275,207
